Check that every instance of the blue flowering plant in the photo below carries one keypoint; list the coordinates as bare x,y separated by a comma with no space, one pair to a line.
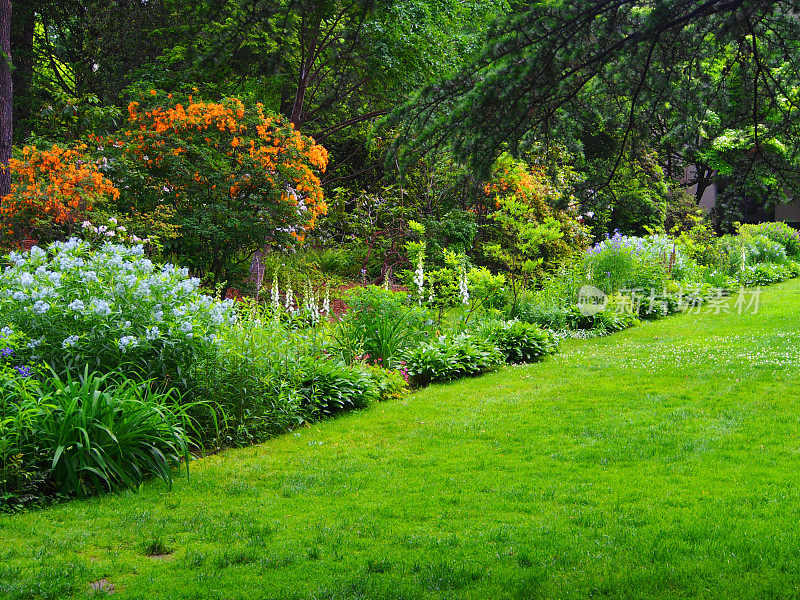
109,308
630,262
11,359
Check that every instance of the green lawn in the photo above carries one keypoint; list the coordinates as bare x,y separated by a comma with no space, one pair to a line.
660,462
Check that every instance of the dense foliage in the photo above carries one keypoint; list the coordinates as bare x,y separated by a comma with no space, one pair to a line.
539,178
109,308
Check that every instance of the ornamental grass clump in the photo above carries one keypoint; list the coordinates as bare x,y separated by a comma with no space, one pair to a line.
81,436
110,308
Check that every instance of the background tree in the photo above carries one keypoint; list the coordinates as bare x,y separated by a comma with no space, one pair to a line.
652,73
6,97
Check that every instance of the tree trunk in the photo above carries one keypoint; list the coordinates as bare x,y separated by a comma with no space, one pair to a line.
310,24
6,96
23,25
703,181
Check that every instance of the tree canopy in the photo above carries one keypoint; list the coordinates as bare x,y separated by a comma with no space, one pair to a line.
694,78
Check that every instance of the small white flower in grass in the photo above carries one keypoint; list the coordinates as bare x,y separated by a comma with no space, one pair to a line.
158,316
41,307
152,333
20,296
26,279
35,343
100,307
186,327
77,306
6,331
70,341
128,341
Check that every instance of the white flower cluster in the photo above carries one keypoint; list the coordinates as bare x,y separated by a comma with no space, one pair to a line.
72,298
463,285
111,230
419,276
312,304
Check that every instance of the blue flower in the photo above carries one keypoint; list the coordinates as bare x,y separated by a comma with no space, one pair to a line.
24,371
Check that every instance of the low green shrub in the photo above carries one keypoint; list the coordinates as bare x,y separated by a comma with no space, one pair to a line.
88,435
739,251
330,387
765,274
627,262
251,384
554,318
266,378
379,324
783,234
715,278
106,436
450,357
605,320
391,383
23,405
520,342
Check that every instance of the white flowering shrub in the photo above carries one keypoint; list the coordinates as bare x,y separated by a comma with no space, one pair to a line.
110,308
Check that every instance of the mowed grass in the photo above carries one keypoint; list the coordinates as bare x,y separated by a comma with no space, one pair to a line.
661,462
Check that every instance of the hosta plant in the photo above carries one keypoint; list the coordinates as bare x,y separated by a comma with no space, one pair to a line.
520,342
450,357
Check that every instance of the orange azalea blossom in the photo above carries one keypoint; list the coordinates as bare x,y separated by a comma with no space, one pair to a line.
58,185
264,151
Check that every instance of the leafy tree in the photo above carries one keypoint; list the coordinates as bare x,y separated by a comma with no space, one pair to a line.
6,96
533,198
652,71
520,254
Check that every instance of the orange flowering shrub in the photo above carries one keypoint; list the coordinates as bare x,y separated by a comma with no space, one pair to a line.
52,191
547,197
240,178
